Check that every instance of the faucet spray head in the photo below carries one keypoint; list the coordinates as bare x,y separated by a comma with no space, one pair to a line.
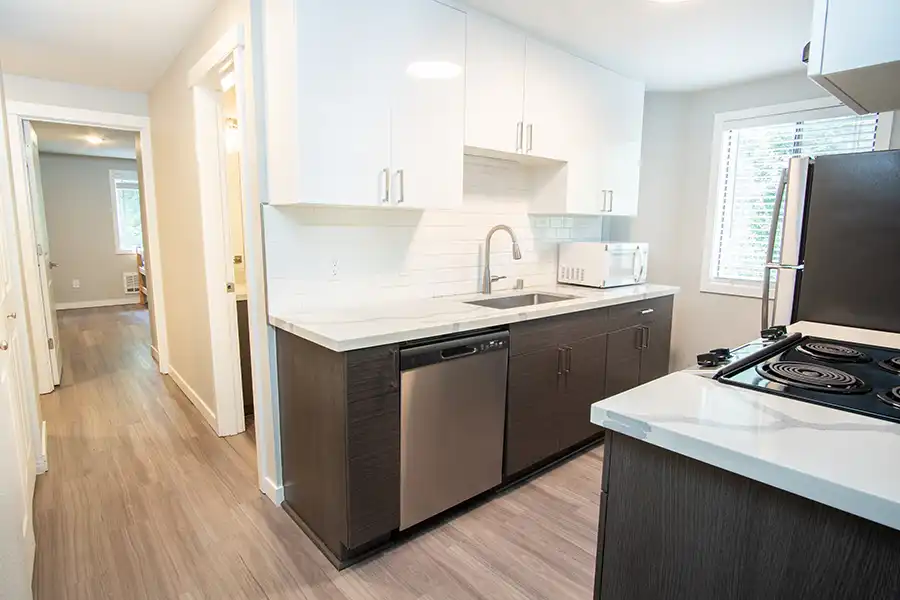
517,252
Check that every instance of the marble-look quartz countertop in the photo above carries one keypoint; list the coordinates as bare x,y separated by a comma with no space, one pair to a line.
380,323
837,458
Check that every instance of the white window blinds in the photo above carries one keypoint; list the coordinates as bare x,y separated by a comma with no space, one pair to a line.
751,162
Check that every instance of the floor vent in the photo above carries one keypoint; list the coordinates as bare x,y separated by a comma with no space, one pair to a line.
132,283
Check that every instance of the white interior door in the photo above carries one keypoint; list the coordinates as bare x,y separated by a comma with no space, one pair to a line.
42,239
17,445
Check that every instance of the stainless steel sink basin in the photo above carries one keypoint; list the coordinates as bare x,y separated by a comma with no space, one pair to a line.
520,300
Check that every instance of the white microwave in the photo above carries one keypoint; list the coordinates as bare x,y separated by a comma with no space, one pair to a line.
602,264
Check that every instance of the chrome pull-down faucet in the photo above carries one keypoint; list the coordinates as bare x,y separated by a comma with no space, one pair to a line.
517,255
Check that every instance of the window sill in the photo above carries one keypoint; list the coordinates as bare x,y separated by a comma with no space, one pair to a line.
124,252
732,289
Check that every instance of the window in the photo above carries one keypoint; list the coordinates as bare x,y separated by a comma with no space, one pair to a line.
126,198
753,147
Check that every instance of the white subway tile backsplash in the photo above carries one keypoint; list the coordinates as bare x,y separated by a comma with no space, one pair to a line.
388,255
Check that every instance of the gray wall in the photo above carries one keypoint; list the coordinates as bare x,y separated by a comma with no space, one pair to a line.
79,209
675,171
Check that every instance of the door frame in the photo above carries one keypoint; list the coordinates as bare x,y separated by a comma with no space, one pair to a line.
209,148
18,113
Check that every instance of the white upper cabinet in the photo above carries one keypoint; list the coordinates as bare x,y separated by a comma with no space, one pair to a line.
622,126
495,84
428,105
380,105
528,98
343,107
855,52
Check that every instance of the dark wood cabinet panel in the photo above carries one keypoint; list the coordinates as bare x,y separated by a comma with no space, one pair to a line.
542,334
532,398
674,527
312,408
243,320
623,363
340,436
584,383
373,444
623,316
655,356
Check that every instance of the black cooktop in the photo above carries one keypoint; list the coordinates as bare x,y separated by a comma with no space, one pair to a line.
842,375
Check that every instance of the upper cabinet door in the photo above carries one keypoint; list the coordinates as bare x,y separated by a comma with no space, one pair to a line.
623,126
343,102
428,104
551,88
495,84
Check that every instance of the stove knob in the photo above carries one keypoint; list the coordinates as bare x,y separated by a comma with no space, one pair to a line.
709,359
722,353
774,333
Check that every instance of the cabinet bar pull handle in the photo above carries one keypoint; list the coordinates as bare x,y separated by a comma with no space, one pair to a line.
647,311
611,199
520,126
386,185
647,342
639,344
402,177
529,137
568,359
559,361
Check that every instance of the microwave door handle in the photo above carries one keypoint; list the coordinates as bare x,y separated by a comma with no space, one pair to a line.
644,259
770,250
637,264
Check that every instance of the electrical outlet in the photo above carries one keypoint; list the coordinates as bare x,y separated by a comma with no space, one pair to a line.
76,283
334,268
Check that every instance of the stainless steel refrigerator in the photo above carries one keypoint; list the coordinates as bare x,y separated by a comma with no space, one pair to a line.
840,242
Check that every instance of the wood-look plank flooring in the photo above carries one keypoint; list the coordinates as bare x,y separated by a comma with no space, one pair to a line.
143,501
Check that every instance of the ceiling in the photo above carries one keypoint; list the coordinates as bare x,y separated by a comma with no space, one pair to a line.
71,139
677,46
120,44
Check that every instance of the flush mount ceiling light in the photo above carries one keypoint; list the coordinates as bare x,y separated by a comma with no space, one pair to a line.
669,1
437,69
94,140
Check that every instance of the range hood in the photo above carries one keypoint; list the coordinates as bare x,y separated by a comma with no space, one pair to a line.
854,52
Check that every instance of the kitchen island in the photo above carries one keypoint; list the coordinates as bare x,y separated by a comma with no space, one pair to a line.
352,387
712,491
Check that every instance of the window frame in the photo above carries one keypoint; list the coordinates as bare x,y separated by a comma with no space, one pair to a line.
120,175
805,110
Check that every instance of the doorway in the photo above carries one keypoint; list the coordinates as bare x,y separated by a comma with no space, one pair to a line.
131,230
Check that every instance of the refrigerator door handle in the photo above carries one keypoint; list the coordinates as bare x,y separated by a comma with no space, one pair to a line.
770,250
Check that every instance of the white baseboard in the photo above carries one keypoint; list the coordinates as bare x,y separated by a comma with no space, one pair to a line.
97,303
42,465
273,492
154,353
195,398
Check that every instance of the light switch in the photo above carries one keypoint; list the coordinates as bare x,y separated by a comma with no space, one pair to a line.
76,283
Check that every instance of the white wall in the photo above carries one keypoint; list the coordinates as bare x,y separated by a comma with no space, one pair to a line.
178,199
42,91
384,254
675,171
80,223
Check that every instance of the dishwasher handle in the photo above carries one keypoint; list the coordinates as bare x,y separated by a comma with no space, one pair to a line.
438,352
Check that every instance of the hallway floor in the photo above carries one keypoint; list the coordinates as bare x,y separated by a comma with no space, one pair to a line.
143,501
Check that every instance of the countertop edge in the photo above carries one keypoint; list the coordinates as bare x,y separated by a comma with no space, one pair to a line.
480,322
864,505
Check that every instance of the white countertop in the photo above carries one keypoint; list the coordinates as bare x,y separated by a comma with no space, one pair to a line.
382,323
837,458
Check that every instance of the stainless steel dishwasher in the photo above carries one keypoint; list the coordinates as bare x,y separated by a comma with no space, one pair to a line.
452,415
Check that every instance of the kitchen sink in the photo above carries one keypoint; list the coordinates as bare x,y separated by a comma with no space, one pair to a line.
520,300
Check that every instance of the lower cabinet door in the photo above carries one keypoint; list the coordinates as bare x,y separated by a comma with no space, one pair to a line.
623,366
533,392
655,357
585,383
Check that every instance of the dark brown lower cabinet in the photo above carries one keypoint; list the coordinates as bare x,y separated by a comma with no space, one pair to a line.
340,440
246,362
674,527
584,379
534,382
